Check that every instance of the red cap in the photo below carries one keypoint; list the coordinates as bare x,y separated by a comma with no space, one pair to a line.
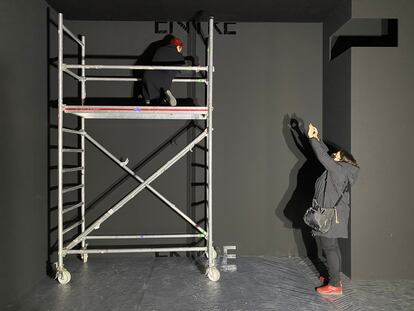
177,42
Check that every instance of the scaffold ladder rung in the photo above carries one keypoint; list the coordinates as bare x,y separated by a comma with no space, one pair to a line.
71,131
69,189
76,224
72,150
72,169
71,208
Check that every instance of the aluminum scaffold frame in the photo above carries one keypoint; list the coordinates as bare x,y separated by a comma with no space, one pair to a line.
128,112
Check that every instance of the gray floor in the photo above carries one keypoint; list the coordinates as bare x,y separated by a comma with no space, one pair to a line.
247,283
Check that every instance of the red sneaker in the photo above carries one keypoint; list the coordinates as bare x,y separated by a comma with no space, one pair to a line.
325,281
329,290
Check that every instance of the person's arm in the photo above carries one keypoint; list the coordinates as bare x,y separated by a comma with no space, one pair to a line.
321,150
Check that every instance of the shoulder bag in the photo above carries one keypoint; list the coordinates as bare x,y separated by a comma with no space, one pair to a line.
320,218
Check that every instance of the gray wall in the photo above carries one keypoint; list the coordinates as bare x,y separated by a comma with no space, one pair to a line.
367,109
382,110
23,97
263,74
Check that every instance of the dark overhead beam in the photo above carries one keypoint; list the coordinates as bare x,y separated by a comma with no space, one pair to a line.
186,10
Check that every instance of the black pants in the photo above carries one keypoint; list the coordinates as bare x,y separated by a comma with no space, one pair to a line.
330,248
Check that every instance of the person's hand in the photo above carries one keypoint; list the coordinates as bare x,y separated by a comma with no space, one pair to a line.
312,132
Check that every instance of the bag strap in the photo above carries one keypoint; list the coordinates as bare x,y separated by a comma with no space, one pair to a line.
342,194
324,190
348,185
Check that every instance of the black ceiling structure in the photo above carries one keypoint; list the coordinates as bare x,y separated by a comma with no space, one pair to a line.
188,10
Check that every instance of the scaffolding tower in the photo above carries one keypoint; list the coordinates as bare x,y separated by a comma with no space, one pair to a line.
78,244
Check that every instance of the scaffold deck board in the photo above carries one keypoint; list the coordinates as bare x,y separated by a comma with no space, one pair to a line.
138,112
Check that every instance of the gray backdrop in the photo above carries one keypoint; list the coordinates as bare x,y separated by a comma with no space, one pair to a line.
367,109
264,74
23,97
381,110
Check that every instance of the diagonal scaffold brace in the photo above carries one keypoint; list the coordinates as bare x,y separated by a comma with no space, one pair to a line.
140,180
95,225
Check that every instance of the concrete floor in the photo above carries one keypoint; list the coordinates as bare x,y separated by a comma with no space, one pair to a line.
177,283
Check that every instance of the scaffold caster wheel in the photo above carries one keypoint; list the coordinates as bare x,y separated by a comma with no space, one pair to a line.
214,254
213,274
63,276
84,258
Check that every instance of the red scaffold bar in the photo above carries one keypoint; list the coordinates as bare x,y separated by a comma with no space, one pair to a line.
138,109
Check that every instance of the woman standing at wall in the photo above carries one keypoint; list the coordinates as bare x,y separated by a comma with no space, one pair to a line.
341,171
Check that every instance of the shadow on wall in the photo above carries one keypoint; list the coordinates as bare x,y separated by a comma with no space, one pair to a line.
298,196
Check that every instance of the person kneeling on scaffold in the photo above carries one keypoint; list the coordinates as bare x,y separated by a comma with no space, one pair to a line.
157,83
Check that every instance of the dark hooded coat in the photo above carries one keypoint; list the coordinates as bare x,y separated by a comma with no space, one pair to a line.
337,176
156,82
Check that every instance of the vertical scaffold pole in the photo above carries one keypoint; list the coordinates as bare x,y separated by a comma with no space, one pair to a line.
211,259
83,97
60,142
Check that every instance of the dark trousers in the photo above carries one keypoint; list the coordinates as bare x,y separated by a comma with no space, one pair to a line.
330,248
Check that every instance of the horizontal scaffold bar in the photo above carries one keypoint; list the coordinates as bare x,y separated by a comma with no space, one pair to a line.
200,109
199,80
138,112
131,67
144,236
127,79
135,250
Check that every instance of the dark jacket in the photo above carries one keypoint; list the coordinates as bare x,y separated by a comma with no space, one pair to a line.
156,82
337,175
